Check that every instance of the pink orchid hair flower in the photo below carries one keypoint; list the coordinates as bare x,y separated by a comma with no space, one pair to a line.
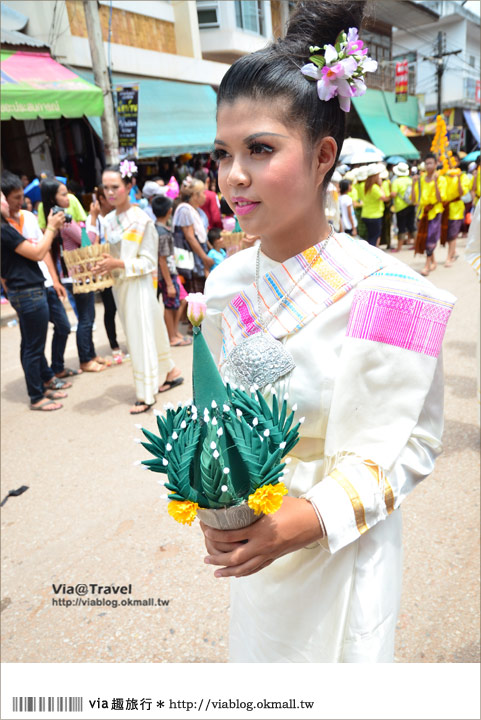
127,168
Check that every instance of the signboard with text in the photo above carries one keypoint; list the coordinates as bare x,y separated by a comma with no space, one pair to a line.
401,87
127,114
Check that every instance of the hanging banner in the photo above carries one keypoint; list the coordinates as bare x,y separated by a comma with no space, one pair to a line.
127,114
456,138
401,88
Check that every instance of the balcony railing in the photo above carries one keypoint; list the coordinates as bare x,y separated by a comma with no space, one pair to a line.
385,78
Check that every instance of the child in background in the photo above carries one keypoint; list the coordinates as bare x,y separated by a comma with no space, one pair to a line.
168,280
346,203
218,252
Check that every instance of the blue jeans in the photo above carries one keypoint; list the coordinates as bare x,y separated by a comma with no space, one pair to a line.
61,330
31,306
85,303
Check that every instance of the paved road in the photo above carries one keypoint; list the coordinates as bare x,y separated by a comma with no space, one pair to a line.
90,516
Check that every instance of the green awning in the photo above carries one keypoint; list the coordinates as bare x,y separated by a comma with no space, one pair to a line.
373,110
174,117
402,113
34,85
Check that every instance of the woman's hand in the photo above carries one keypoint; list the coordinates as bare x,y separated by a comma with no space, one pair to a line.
56,220
94,210
171,291
244,552
107,264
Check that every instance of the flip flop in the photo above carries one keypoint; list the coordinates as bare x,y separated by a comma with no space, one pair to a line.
56,384
46,405
171,384
55,395
182,343
138,404
93,366
67,372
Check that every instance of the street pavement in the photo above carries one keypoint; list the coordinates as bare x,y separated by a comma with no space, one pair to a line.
91,517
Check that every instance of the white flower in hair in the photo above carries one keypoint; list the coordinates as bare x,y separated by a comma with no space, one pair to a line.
340,71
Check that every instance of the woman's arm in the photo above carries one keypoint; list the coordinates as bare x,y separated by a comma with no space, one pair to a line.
195,246
351,220
58,287
39,250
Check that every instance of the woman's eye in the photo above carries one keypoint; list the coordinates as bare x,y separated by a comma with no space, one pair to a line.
218,154
259,148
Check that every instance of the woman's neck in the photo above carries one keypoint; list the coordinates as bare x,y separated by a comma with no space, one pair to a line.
123,208
290,244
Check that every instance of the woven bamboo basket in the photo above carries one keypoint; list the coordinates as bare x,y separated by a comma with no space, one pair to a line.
233,242
81,263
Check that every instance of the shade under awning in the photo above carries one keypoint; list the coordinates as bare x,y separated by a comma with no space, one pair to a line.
34,85
174,117
373,110
472,118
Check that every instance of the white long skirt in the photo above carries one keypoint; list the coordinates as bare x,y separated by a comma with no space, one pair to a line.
142,318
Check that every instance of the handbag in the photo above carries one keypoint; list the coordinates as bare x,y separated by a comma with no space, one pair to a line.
184,259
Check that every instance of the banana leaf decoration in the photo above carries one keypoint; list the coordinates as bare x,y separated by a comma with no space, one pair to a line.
220,449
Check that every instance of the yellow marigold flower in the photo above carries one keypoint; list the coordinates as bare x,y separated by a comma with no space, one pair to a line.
184,512
267,499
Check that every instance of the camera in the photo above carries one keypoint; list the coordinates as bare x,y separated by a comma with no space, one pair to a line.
56,209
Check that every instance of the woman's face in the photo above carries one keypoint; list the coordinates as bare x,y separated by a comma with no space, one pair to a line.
198,198
61,198
4,206
267,172
116,192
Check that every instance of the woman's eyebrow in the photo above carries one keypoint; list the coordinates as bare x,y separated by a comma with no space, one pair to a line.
254,136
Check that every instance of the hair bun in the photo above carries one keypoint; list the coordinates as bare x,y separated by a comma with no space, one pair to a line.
319,22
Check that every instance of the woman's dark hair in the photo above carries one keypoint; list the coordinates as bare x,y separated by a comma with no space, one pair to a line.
10,182
161,205
116,169
275,71
48,191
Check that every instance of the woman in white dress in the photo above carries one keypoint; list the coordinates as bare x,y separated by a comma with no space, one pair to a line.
133,262
354,338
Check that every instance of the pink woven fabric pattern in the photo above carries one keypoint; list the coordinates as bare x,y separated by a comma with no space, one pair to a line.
413,322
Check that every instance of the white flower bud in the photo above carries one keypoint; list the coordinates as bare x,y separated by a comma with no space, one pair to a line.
220,432
267,432
255,422
168,447
157,413
287,460
183,424
137,440
273,391
294,407
225,408
238,413
286,396
282,445
138,426
226,471
174,435
137,462
301,420
165,462
213,445
224,488
215,454
214,421
213,404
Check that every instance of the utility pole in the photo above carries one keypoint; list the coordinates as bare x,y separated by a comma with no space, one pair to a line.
108,120
440,66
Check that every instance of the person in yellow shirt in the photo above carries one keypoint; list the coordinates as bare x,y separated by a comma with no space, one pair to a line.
373,205
429,194
386,218
361,177
400,186
477,183
457,185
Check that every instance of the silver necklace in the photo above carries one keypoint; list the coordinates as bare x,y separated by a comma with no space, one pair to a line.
262,359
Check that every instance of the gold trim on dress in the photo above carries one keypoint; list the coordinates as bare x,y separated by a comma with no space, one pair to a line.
356,503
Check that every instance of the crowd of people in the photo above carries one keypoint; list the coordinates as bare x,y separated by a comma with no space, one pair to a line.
406,204
179,222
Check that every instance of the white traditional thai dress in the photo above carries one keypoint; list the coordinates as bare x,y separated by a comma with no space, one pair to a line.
134,239
365,333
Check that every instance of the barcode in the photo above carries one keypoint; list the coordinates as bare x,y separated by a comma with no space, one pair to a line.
47,704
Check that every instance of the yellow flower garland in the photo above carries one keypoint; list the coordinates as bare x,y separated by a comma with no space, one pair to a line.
440,145
267,499
184,512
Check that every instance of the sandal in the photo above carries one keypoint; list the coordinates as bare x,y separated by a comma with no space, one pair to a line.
171,384
55,395
46,405
68,372
182,343
93,366
57,384
138,404
102,361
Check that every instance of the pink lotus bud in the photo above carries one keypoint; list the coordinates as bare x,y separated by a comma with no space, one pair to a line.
196,308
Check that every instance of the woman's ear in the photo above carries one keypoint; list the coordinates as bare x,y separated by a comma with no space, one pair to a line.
325,155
